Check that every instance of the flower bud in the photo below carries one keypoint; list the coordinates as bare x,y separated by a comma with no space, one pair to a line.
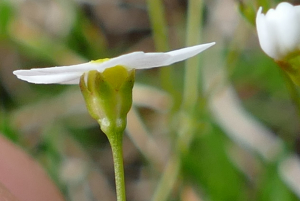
108,96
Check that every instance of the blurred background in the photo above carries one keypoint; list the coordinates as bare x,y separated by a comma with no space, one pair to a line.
240,141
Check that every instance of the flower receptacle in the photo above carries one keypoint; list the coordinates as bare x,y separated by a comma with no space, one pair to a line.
108,97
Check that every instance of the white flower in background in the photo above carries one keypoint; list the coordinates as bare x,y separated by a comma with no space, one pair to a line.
279,31
135,60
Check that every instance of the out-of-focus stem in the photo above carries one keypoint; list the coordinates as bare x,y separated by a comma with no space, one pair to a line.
160,36
159,25
191,80
168,180
171,172
292,89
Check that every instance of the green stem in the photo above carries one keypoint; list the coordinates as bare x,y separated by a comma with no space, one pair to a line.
117,151
168,180
191,80
190,97
160,37
292,89
158,24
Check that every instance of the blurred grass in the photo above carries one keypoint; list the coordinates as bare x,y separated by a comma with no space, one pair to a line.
51,122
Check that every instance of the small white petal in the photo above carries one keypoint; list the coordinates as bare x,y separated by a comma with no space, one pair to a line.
55,75
267,36
60,69
135,60
61,78
185,53
141,60
176,55
287,27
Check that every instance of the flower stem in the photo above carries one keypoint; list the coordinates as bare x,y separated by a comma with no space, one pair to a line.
191,80
168,179
117,151
158,24
160,37
292,89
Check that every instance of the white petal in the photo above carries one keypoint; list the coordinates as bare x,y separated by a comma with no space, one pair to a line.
84,67
71,74
55,75
60,78
266,34
135,60
287,27
172,56
185,53
297,8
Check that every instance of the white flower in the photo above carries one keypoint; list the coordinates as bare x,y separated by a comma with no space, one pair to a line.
135,60
279,30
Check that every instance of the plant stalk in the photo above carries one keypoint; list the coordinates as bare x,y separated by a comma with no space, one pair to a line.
168,180
192,69
293,92
160,37
117,151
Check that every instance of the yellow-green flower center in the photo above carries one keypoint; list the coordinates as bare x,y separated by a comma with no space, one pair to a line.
115,76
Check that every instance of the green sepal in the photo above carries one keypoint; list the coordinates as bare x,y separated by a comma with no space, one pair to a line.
291,66
108,97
